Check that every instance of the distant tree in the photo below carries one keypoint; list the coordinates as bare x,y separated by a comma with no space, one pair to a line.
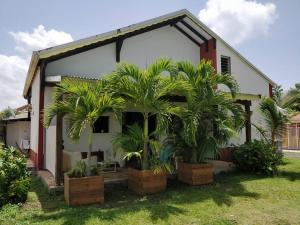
291,99
6,113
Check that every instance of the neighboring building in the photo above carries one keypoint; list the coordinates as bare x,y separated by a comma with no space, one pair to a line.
178,35
17,128
291,135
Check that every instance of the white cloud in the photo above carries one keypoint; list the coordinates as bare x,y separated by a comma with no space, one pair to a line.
39,39
238,20
12,77
13,69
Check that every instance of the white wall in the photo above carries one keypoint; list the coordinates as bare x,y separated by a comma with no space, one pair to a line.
257,119
101,141
250,82
248,79
143,49
34,129
92,63
17,131
50,137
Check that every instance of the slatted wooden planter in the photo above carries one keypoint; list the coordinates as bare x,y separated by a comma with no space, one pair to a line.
84,190
195,174
146,181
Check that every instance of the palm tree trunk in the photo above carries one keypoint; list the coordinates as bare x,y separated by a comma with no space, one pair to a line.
145,163
90,143
194,156
273,138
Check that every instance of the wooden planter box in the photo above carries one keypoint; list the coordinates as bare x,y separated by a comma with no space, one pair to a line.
84,190
146,181
195,174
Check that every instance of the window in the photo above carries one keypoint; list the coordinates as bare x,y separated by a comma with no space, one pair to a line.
225,65
130,118
101,125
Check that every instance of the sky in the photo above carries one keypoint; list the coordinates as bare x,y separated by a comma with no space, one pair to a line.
266,32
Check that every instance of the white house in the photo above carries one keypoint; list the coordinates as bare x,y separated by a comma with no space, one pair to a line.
178,35
17,128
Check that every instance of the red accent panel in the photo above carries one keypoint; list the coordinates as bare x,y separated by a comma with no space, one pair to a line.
40,155
271,90
209,52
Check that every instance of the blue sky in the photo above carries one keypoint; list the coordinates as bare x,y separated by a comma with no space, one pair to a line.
265,32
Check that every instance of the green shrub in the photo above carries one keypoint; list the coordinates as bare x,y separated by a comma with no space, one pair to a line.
79,170
257,157
14,176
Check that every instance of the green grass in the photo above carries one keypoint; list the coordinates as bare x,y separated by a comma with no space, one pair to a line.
233,199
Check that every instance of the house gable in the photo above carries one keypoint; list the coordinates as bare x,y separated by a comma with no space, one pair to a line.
142,49
182,20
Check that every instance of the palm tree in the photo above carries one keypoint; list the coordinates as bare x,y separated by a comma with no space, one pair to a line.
211,117
146,90
291,100
277,110
82,103
274,117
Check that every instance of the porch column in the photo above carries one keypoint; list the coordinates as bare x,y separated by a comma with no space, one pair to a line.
248,121
40,152
247,104
208,51
59,150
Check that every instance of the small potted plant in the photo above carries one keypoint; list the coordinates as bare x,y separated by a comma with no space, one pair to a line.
80,189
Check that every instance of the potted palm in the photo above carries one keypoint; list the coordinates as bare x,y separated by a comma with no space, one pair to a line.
210,119
145,91
82,103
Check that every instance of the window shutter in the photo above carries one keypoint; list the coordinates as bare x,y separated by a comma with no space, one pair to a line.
225,65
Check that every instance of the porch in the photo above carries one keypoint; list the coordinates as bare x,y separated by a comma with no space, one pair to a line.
120,176
110,178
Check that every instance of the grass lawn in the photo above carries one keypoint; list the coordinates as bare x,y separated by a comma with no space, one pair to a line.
233,199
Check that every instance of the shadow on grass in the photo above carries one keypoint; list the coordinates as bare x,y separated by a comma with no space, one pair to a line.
119,202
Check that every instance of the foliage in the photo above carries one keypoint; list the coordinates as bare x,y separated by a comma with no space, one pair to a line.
132,143
211,117
257,157
82,103
6,113
146,90
274,117
291,100
14,177
79,170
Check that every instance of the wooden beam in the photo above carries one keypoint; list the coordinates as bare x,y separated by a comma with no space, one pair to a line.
248,123
194,30
40,150
186,34
59,150
246,104
119,44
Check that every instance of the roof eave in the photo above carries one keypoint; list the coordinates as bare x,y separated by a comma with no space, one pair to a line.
30,73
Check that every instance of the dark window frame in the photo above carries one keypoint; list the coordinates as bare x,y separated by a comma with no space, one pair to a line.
228,64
